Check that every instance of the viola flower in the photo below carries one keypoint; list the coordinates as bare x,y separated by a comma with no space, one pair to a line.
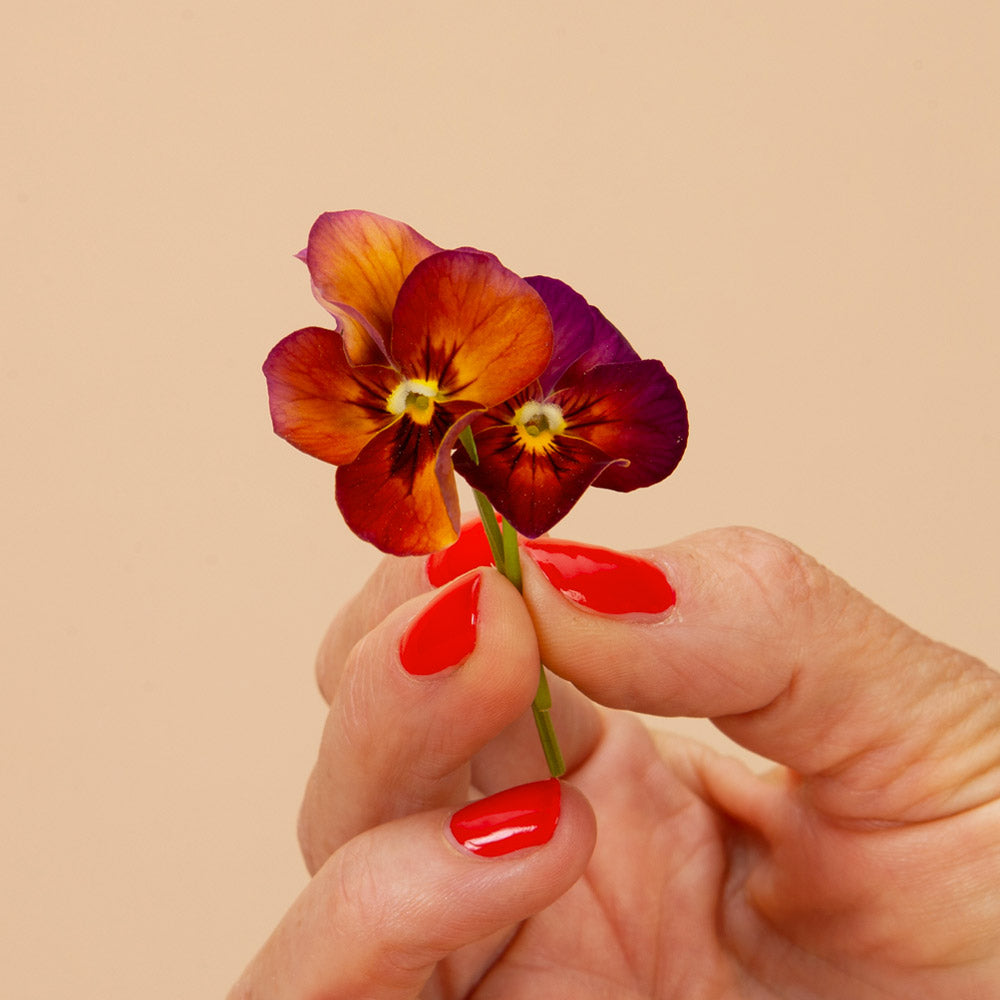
425,339
598,415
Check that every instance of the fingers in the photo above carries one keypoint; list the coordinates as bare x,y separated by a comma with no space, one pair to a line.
393,583
395,901
785,657
418,698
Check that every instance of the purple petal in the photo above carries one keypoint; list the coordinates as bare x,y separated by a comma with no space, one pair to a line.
583,337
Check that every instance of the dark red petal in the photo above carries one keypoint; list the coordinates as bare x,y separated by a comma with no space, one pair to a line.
321,403
532,489
464,320
632,411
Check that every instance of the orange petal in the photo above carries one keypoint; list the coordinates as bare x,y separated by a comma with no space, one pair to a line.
399,493
320,402
358,261
467,322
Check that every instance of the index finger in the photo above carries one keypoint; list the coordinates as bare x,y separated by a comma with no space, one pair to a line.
394,582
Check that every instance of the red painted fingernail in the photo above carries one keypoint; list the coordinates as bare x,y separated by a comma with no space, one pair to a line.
509,821
603,580
444,634
470,550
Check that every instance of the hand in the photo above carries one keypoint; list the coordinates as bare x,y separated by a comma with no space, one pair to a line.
866,865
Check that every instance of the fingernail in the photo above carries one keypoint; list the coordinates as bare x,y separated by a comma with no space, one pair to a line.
444,634
471,549
525,816
603,580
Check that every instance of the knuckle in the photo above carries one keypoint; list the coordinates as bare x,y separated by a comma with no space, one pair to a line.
798,600
387,920
778,568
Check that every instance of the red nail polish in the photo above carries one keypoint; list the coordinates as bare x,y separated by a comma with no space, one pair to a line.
509,821
471,549
603,580
445,632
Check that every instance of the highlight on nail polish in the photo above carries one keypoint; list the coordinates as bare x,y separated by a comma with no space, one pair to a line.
444,633
511,820
603,580
468,552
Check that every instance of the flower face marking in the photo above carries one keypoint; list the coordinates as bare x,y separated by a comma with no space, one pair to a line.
598,415
425,339
538,424
415,398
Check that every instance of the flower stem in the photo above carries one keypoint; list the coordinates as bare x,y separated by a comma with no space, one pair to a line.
486,513
493,536
543,723
509,564
503,545
511,556
542,704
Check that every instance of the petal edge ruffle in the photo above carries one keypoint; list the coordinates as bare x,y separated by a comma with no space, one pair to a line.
358,262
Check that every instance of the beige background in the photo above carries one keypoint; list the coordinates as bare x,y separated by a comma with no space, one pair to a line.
794,204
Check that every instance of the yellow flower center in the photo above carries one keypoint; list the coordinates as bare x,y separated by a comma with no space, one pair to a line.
538,423
415,397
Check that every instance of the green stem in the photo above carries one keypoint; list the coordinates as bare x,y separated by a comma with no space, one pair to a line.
503,545
542,704
546,731
486,513
493,536
511,556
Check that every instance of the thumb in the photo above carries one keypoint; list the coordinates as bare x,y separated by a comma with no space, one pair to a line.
785,657
395,901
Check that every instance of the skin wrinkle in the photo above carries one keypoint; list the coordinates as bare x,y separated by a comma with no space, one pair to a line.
892,853
757,961
884,630
933,757
613,927
627,754
848,980
520,955
738,841
503,950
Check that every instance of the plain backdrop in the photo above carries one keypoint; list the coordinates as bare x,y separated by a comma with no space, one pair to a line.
792,203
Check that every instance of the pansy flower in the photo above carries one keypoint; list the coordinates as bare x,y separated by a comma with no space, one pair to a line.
425,339
598,415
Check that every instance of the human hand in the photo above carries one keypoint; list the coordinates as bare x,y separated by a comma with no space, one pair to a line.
866,865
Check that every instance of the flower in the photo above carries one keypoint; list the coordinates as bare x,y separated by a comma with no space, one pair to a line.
598,415
425,339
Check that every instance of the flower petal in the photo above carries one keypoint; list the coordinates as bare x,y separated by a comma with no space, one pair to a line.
321,403
465,321
358,261
583,338
533,489
632,411
399,493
